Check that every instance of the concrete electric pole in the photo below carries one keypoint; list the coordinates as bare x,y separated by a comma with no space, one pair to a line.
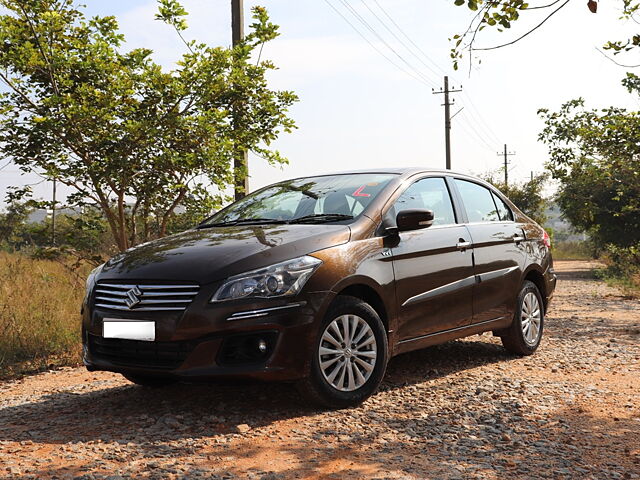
53,214
447,118
241,158
506,155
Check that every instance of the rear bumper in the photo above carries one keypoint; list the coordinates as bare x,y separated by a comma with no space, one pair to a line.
207,343
550,280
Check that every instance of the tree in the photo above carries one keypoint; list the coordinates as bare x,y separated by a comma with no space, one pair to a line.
128,136
502,14
595,156
527,196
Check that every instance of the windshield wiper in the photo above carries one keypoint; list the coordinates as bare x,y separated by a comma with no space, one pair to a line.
242,221
321,218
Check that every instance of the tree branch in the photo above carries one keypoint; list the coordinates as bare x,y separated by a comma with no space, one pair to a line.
526,34
611,59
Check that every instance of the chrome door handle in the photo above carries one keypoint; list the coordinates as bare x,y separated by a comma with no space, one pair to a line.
463,245
518,238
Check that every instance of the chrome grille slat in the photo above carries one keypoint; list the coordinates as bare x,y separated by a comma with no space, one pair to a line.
150,287
150,298
140,309
123,293
143,301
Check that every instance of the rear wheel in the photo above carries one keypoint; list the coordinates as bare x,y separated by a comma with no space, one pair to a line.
525,333
349,357
149,381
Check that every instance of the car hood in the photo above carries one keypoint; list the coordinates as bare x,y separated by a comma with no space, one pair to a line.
212,254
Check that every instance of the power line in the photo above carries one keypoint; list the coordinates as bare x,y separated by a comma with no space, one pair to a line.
380,52
441,71
480,119
483,143
475,113
402,42
367,25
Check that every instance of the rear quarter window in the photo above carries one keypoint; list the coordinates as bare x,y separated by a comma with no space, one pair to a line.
478,202
503,210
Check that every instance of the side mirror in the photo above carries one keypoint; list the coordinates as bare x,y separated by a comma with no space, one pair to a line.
414,219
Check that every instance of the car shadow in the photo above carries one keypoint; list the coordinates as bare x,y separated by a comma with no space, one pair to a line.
133,414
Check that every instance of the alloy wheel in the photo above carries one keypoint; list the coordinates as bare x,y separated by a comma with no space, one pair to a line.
347,353
531,318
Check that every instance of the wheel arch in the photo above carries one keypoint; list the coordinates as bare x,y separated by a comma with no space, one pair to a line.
534,275
370,295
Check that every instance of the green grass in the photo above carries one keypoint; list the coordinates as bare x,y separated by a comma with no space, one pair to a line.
625,281
39,314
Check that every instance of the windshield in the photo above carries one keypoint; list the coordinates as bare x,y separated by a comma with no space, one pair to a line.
311,200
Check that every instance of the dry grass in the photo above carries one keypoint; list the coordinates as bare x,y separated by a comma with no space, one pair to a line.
39,313
572,251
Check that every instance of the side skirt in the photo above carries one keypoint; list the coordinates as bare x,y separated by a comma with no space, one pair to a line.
447,335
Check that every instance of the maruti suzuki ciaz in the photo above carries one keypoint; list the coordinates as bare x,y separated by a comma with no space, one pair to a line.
320,281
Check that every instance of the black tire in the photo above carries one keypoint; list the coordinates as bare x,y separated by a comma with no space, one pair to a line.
149,381
315,388
513,337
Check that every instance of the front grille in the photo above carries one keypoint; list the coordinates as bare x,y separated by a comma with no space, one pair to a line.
144,297
137,353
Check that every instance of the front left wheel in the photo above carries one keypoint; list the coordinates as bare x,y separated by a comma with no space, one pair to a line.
349,356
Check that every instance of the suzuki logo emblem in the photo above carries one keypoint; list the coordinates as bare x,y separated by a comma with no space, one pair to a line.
133,297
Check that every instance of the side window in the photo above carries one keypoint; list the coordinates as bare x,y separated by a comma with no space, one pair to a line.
503,210
429,193
478,202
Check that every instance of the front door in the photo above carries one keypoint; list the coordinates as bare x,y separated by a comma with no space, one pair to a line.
433,267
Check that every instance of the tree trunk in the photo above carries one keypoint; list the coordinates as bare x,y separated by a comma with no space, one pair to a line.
167,215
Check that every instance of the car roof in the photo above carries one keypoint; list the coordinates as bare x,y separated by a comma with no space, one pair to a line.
404,171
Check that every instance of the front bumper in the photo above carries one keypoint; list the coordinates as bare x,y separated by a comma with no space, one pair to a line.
209,341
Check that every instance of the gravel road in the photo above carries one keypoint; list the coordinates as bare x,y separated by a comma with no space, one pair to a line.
463,410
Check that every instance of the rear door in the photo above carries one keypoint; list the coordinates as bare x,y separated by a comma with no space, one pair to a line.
433,266
498,249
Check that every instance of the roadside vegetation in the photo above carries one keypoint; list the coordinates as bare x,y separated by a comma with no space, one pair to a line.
39,313
573,250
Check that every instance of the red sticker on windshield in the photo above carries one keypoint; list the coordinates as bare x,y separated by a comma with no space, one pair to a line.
358,192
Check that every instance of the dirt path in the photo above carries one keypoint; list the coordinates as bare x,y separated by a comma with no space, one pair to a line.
462,410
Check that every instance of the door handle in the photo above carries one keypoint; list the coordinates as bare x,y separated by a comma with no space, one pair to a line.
518,238
463,244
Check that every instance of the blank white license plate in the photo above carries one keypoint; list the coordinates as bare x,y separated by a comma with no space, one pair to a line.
129,330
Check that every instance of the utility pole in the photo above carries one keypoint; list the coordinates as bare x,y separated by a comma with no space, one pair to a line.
447,118
506,155
241,158
53,214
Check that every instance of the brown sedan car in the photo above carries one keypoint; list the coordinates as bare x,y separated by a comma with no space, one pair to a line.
320,280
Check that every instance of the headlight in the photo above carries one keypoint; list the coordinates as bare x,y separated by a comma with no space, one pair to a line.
280,280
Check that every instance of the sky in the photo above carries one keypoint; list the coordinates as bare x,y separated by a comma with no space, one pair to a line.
357,110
